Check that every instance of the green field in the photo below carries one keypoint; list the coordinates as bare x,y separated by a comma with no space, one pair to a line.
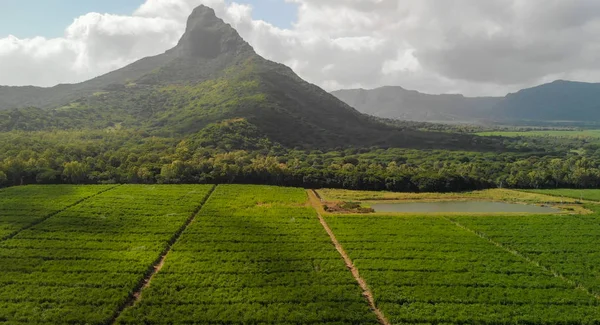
254,255
241,254
22,207
544,133
427,270
82,264
590,195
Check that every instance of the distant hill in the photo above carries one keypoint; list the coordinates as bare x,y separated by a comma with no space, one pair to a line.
410,105
553,102
211,76
557,101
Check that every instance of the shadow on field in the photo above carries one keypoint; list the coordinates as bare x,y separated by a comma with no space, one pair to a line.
280,266
24,206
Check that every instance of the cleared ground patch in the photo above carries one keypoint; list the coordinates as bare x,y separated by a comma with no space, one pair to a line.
81,265
428,270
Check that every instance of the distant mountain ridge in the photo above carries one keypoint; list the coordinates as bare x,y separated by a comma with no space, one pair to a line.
557,101
212,76
399,103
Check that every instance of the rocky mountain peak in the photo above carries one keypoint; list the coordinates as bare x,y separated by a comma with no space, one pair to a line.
208,36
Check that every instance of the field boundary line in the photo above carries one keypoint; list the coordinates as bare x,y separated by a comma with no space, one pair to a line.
367,293
48,216
136,295
526,258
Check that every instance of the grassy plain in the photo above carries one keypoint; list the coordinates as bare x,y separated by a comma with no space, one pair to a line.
590,195
545,133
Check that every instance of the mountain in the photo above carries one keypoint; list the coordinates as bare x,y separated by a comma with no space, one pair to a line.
212,80
553,102
557,101
410,105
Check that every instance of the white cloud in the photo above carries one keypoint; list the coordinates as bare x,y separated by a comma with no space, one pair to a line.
471,46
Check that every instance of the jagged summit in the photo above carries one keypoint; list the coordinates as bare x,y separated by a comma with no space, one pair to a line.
208,36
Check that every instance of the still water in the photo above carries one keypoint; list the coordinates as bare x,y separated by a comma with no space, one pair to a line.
469,206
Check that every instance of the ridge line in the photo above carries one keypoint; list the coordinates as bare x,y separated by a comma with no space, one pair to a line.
576,286
48,216
136,295
367,293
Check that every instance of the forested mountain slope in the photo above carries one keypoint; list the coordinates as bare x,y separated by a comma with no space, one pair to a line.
212,75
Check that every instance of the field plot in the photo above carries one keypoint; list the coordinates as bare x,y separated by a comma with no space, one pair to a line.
253,255
431,271
80,266
590,195
569,246
23,206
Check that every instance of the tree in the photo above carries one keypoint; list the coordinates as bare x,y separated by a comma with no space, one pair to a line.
75,172
3,178
145,175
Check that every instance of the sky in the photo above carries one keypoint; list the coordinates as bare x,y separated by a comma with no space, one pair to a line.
473,47
51,17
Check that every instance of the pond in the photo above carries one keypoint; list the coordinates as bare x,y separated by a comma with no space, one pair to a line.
467,207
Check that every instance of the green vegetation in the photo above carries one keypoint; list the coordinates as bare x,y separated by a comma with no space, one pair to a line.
185,254
235,150
583,134
22,207
82,264
254,255
591,195
429,270
566,245
271,98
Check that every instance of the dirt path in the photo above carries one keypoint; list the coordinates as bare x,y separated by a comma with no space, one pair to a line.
526,258
316,202
136,296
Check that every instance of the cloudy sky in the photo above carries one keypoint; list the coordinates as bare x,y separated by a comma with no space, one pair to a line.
472,47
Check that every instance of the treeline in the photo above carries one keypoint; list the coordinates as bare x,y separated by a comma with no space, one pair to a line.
102,157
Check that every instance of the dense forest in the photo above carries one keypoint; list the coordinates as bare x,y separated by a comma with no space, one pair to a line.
235,152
